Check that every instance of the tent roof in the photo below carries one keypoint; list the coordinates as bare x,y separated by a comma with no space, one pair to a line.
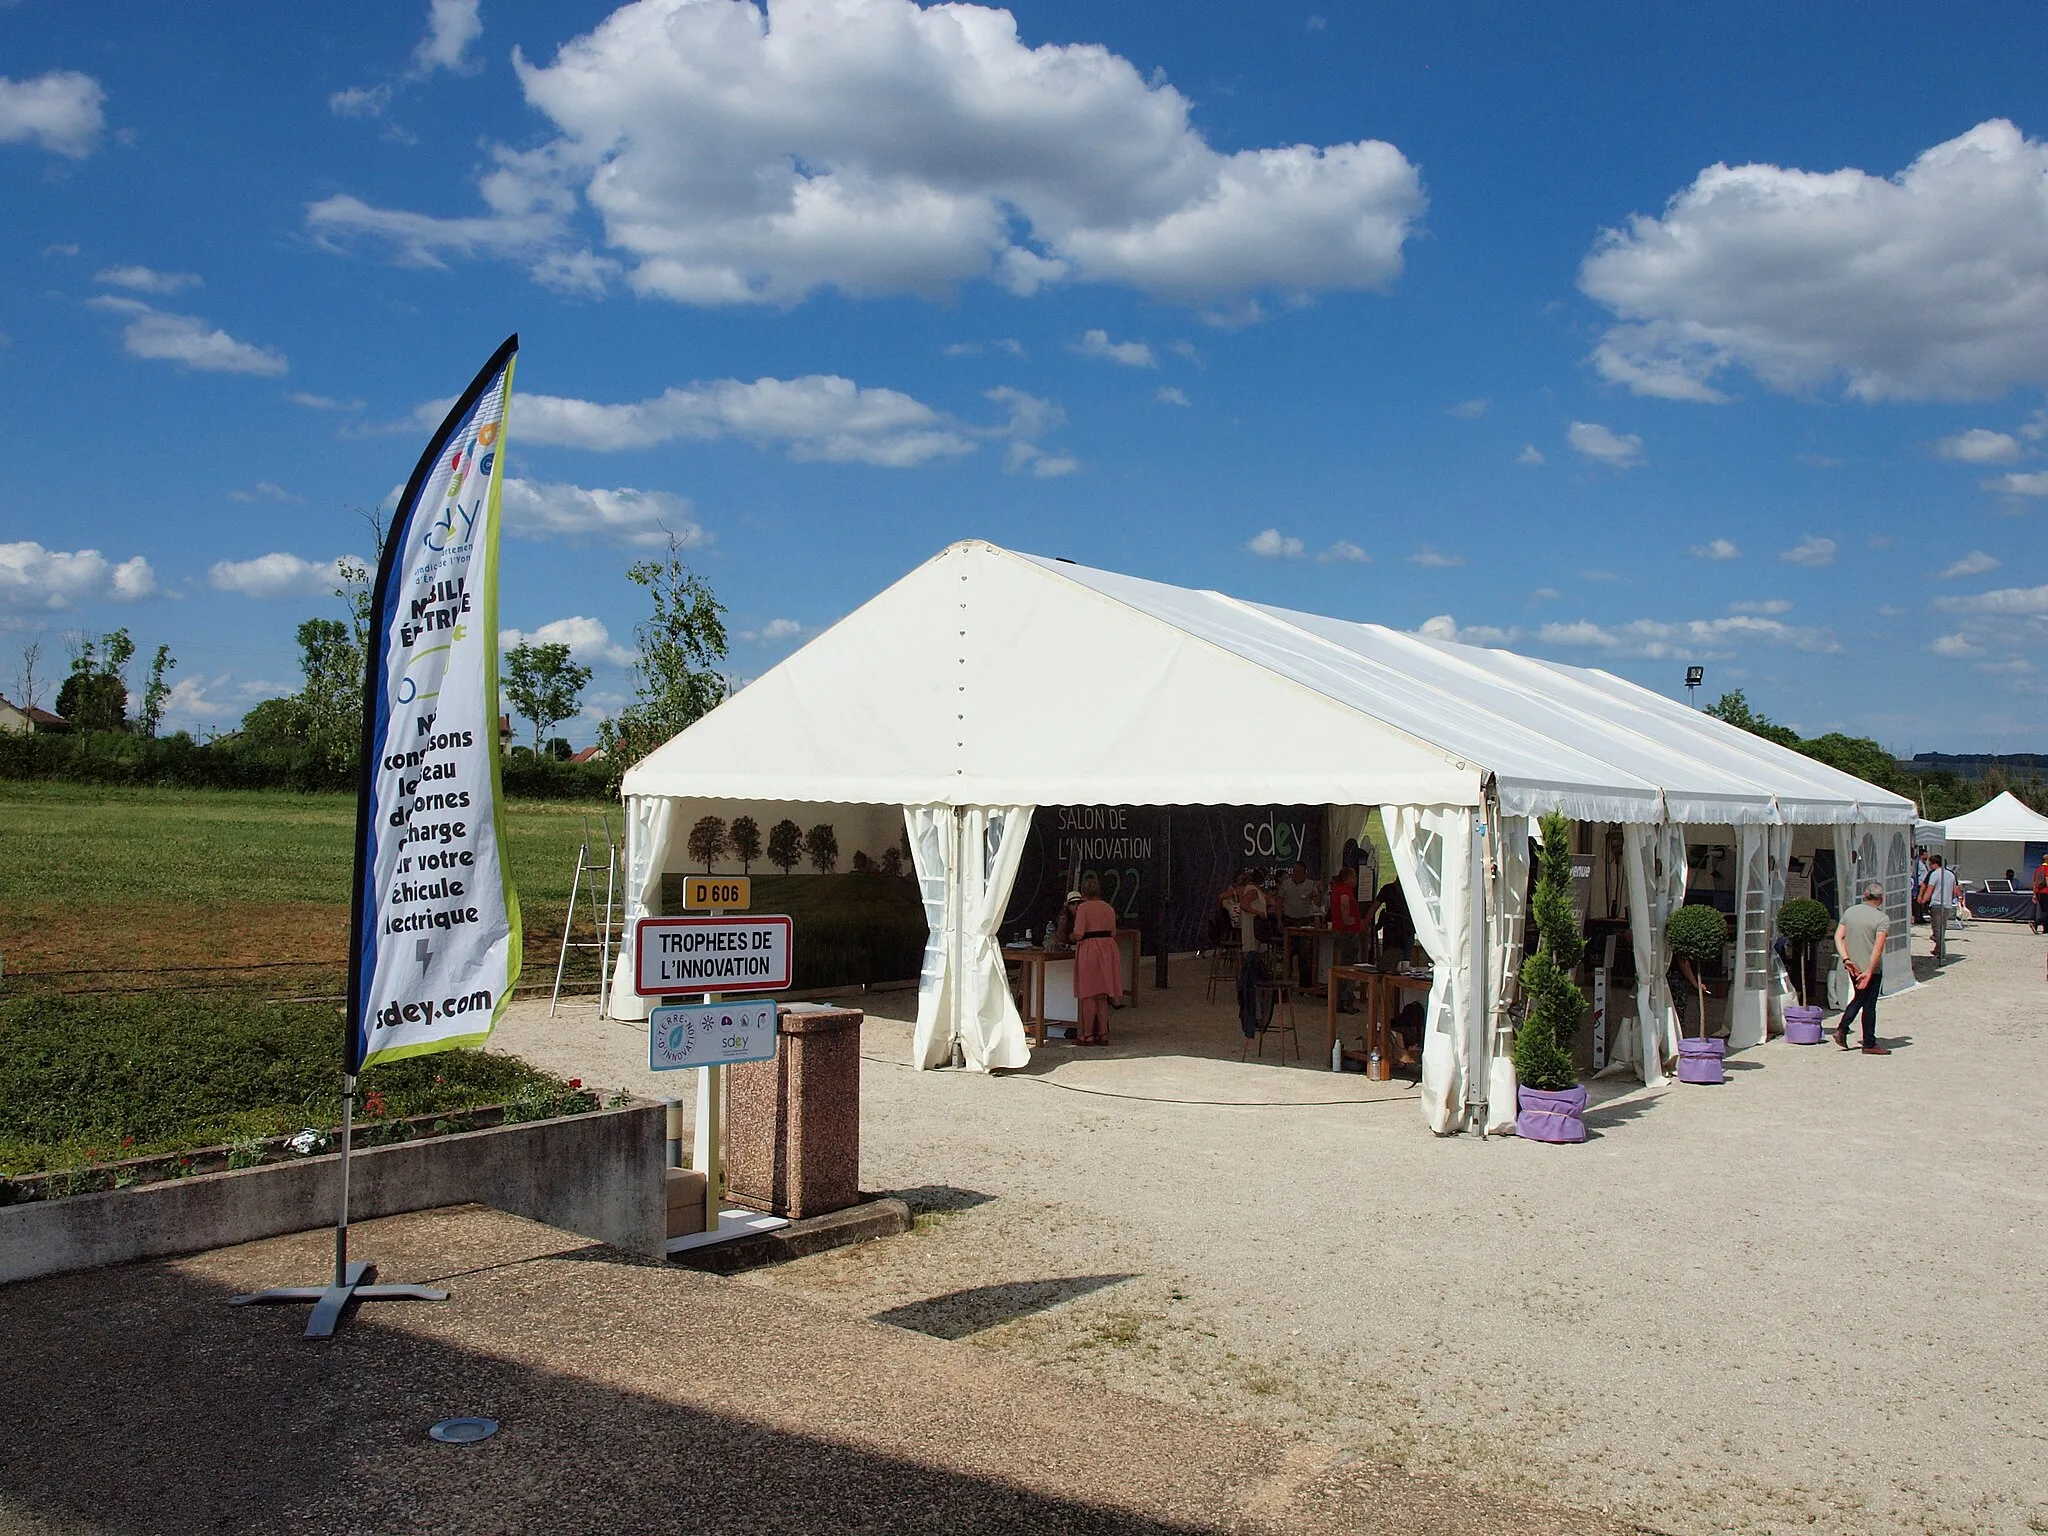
987,677
2007,819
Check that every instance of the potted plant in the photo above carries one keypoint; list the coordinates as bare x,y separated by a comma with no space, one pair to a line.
1805,924
1551,1106
1696,935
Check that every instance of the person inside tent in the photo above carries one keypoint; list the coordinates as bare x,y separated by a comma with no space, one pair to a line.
1098,962
1396,927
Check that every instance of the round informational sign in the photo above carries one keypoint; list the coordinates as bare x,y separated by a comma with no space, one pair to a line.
463,1431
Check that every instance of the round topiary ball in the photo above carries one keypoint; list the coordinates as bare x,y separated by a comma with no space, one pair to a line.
1804,921
1696,933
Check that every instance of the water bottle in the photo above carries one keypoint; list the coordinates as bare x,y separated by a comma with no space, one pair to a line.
1337,1056
1372,1065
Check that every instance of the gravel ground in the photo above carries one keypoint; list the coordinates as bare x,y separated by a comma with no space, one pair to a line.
1808,1300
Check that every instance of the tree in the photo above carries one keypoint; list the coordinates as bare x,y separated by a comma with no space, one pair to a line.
1734,708
94,696
785,845
31,654
1854,754
158,691
680,644
892,861
821,847
544,685
1543,1054
708,841
746,842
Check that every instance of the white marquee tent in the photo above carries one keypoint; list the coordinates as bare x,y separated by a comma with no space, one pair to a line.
1994,838
987,683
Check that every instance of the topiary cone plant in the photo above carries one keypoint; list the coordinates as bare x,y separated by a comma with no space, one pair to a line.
1804,923
1697,933
1543,1054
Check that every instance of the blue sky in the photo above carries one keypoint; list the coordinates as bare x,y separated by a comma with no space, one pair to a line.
1622,337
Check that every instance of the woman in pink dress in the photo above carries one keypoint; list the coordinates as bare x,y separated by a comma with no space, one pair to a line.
1098,963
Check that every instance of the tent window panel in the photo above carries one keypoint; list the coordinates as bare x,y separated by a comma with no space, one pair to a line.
1755,925
1898,875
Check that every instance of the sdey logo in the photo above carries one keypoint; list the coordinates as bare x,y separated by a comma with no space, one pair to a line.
453,527
1282,841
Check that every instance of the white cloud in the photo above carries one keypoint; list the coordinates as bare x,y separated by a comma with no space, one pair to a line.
1469,410
1763,605
1686,638
1955,645
1544,595
1434,560
147,280
322,402
360,101
1009,344
212,700
268,490
588,640
1601,576
1975,563
1166,394
1344,552
2035,484
452,25
186,339
1608,447
1879,541
59,111
818,416
1272,544
1931,284
774,632
1045,466
1811,552
2002,600
1444,627
737,155
2012,666
1131,354
625,517
1715,549
275,575
1531,455
1980,445
32,577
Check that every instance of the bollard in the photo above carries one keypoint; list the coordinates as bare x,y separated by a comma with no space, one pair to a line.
675,1132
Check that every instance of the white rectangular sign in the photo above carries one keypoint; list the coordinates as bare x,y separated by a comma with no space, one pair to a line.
674,955
712,1035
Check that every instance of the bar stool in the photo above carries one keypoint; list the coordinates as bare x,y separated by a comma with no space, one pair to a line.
1223,962
1276,1012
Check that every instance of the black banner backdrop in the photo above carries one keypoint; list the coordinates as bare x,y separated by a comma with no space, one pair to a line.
1161,867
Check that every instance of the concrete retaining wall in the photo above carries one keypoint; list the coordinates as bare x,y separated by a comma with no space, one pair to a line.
599,1175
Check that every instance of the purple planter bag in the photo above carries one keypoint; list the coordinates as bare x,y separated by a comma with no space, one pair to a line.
1699,1061
1541,1116
1804,1024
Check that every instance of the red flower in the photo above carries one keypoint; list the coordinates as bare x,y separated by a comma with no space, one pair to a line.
575,1082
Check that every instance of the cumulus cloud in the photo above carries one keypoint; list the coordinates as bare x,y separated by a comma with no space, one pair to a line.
266,490
211,700
774,632
1715,549
186,339
452,25
1930,284
1469,410
1431,559
147,280
32,577
588,640
1272,544
624,517
1531,455
1687,639
1131,354
59,111
1975,563
1980,445
322,402
1811,552
1344,552
2004,600
1763,605
2035,484
734,155
1444,627
275,575
1955,645
1606,446
1166,394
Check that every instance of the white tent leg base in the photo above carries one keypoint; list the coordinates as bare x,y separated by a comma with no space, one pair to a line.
731,1224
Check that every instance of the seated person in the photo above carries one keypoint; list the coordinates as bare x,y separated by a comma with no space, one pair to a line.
1404,1035
1396,927
1061,936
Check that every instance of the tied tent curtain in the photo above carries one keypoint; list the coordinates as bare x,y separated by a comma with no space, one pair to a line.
1432,849
1749,979
1507,903
966,860
1778,855
650,824
1848,891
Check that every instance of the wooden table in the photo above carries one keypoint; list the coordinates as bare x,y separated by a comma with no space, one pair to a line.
1314,933
1381,988
1034,960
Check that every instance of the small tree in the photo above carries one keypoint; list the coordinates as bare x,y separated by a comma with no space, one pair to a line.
708,841
679,649
1543,1055
157,693
30,655
543,684
1696,934
821,847
746,842
892,861
785,845
1804,923
94,696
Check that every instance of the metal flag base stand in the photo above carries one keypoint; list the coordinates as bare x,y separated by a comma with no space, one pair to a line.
351,1279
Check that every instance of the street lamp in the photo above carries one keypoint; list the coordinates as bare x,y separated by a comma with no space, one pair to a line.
1694,676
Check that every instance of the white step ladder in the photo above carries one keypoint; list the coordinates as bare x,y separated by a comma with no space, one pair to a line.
603,917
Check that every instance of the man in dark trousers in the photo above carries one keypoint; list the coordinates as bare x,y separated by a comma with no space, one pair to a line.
1942,894
1860,940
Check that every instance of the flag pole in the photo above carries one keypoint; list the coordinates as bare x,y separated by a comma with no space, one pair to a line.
351,1279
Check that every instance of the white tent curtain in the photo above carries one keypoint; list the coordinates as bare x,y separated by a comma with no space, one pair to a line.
1432,849
1846,894
1778,859
1506,915
650,824
1677,875
966,860
1898,880
1749,978
1646,934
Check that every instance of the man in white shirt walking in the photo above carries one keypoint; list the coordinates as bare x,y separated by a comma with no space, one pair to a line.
1940,893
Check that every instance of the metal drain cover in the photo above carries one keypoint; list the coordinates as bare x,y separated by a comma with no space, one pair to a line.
463,1431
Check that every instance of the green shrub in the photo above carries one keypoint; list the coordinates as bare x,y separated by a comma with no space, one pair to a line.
1804,921
1543,1044
1697,933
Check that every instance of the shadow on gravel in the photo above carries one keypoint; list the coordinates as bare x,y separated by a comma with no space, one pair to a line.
924,1199
958,1314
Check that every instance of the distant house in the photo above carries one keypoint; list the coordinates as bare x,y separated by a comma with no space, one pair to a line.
588,755
18,721
504,733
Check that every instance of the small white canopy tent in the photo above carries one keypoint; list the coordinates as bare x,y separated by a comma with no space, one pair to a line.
986,683
1988,841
